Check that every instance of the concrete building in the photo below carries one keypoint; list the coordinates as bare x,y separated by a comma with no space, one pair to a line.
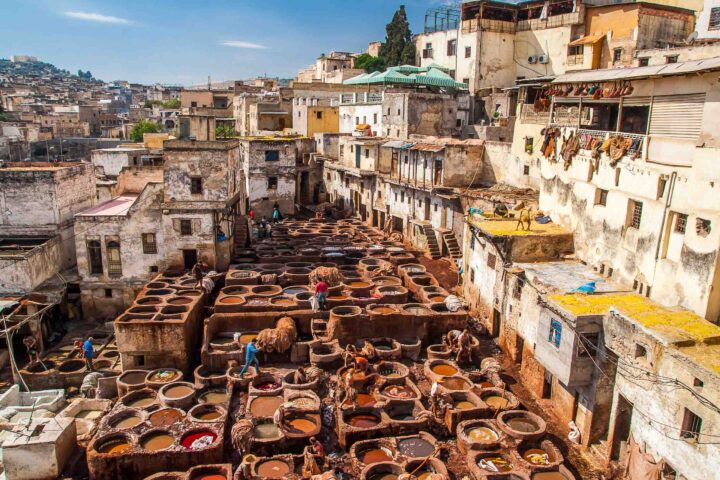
40,200
111,161
258,114
708,21
277,171
336,67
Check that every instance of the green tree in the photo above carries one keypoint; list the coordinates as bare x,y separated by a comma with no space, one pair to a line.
172,103
143,126
224,130
369,63
398,48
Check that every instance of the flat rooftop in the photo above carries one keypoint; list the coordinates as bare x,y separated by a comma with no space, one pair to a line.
673,325
507,228
36,166
118,206
564,276
12,246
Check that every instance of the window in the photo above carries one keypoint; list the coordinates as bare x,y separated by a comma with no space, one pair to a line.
691,426
714,23
374,117
367,153
640,351
357,120
702,227
601,198
671,59
114,261
318,115
154,269
472,242
272,183
697,383
95,257
680,223
472,275
193,104
148,243
555,333
466,81
635,214
526,169
643,61
491,261
402,196
617,54
185,227
272,155
468,52
196,185
451,48
108,293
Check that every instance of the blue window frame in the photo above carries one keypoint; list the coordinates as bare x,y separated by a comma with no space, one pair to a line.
272,155
555,332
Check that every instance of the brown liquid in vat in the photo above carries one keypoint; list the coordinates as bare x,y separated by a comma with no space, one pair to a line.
549,476
214,396
444,370
141,402
522,425
165,417
157,441
496,401
537,456
265,406
209,415
483,434
246,338
273,469
301,425
464,405
375,455
116,446
178,391
363,421
128,422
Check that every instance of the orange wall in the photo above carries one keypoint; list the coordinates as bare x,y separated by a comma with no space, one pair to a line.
621,20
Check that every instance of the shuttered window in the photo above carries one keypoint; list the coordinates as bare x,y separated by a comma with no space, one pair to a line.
678,116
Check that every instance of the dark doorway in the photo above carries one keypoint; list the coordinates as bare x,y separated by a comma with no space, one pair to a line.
304,186
547,385
496,323
621,428
189,258
519,347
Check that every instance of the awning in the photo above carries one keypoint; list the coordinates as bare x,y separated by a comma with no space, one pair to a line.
587,40
616,74
394,144
428,147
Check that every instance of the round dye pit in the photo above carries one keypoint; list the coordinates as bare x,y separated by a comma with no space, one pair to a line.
363,420
198,440
415,447
301,424
549,476
155,441
444,370
135,377
383,310
266,431
463,405
399,391
178,391
208,416
496,401
231,300
265,406
164,376
165,417
209,476
455,383
125,420
71,366
114,445
267,385
523,425
362,400
499,463
272,469
536,456
140,401
483,435
375,455
247,337
89,414
214,397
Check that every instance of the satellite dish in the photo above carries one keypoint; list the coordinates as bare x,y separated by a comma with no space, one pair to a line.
691,38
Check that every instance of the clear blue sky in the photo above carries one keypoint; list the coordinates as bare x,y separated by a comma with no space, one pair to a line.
183,41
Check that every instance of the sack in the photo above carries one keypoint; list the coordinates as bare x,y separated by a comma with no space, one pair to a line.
314,303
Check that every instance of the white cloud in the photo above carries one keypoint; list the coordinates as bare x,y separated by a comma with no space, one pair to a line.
97,17
242,44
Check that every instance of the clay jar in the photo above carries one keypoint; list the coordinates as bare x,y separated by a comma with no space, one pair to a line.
177,395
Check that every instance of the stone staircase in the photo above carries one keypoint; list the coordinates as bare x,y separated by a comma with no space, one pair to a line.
432,244
242,231
318,327
600,451
451,243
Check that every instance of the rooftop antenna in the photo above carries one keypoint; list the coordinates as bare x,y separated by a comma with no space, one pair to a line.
209,83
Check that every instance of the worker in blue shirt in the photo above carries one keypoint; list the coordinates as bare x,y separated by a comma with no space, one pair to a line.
250,357
88,351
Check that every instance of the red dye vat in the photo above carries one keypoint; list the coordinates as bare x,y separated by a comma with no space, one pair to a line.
268,386
211,476
188,440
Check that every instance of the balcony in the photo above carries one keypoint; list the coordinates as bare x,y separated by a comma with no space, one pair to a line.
528,114
573,18
488,25
361,98
575,59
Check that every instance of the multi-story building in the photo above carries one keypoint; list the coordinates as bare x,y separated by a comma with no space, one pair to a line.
336,67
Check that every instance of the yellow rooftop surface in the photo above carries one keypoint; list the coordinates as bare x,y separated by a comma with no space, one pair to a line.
707,356
270,138
501,228
676,324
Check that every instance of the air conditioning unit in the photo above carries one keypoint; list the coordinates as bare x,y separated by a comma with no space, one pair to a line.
532,59
543,58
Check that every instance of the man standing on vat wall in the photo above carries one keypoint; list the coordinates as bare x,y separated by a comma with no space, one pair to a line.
87,352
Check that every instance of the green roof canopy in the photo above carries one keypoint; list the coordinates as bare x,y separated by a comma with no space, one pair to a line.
430,76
